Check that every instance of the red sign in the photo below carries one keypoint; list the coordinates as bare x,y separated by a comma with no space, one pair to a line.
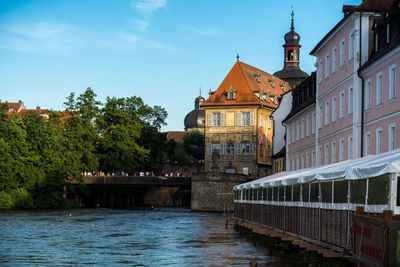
369,241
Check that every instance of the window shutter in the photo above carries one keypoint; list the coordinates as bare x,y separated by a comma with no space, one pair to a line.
209,119
251,118
209,150
237,147
252,149
223,117
222,149
237,119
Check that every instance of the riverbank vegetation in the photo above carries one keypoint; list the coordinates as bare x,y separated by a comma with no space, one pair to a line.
39,154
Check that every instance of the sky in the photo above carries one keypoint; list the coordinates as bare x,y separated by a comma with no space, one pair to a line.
165,51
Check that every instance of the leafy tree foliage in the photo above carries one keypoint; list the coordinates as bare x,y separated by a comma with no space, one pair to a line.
38,155
193,142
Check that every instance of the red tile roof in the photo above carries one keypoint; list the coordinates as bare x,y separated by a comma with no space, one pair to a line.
44,112
14,106
177,136
246,81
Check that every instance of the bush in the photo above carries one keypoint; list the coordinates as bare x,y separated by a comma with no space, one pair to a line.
6,201
18,198
22,198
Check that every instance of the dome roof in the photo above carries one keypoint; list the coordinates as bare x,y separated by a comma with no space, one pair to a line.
194,119
292,37
292,75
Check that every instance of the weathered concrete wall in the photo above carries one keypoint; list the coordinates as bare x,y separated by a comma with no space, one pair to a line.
214,191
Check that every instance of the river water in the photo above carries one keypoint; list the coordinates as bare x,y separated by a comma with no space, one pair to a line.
123,238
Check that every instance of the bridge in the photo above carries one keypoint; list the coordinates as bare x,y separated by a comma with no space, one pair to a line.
138,181
131,191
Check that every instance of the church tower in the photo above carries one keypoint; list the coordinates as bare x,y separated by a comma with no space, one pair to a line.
291,71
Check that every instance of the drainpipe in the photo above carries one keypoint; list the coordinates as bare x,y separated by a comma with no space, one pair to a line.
362,93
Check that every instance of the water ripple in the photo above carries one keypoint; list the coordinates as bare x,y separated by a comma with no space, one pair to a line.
122,238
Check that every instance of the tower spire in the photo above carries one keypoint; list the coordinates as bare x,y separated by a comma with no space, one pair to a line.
292,15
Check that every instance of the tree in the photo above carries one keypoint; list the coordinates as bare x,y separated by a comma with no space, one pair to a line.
121,128
45,144
82,128
193,142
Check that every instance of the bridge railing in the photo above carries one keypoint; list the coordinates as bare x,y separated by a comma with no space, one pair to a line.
137,180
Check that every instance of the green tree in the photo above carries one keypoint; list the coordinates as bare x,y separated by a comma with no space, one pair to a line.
82,128
193,142
44,140
120,128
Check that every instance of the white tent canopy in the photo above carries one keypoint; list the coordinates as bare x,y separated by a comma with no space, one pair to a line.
361,168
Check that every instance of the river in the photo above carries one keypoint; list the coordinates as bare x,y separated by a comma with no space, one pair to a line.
123,238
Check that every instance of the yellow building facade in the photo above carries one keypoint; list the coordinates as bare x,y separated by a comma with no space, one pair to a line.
238,128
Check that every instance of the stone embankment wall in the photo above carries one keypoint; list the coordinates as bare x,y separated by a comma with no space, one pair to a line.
214,191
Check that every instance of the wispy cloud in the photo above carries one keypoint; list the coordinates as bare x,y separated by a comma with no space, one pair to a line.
203,31
40,30
128,38
38,37
147,7
49,38
141,25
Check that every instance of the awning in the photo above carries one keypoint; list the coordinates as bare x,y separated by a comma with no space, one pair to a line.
361,168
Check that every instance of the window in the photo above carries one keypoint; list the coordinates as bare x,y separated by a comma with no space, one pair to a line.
288,135
379,89
302,128
298,162
376,41
334,109
351,45
326,112
392,82
350,107
246,149
231,94
313,123
378,140
308,160
313,158
320,155
350,148
341,103
367,143
319,71
261,150
333,156
392,137
308,125
334,50
246,118
302,161
341,51
216,147
326,154
298,131
320,117
216,119
327,62
367,95
387,33
341,150
230,149
293,133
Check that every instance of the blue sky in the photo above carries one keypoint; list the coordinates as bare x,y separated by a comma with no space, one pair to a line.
161,50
